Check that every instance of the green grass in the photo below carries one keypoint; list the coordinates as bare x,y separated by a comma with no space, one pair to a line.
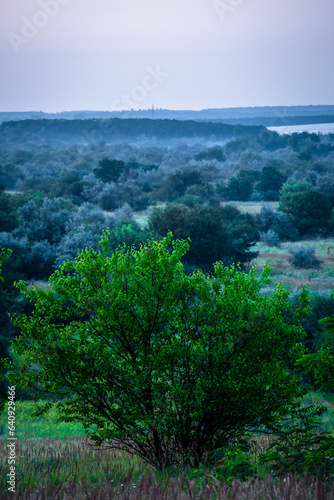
251,207
43,427
55,457
322,246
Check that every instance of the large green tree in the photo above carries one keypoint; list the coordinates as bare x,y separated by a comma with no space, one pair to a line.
170,367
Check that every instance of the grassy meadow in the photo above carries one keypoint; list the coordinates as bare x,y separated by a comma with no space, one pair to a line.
321,279
54,460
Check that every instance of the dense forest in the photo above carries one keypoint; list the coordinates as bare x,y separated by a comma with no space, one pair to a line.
63,182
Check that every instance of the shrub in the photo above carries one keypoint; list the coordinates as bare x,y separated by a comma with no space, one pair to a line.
278,222
108,198
189,200
124,214
270,238
45,221
304,257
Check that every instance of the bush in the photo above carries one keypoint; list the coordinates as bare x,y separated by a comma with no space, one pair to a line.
240,188
108,198
299,447
75,242
304,257
276,221
320,364
189,200
43,221
270,238
124,214
8,215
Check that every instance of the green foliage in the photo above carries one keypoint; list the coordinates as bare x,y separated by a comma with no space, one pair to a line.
240,188
243,233
322,306
128,234
189,200
109,170
176,185
8,219
299,448
320,365
270,183
309,211
267,183
4,255
235,462
296,186
214,153
216,233
169,366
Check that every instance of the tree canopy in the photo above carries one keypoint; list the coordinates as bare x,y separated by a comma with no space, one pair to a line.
171,367
216,234
309,211
109,170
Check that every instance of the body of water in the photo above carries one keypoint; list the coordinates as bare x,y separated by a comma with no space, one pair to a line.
321,128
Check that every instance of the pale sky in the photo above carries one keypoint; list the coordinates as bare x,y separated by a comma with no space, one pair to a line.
60,55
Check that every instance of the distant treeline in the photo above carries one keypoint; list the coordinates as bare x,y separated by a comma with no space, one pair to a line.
243,116
83,131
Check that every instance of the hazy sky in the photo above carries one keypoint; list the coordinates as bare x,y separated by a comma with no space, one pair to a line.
59,55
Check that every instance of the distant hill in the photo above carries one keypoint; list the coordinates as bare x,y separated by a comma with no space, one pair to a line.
265,116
